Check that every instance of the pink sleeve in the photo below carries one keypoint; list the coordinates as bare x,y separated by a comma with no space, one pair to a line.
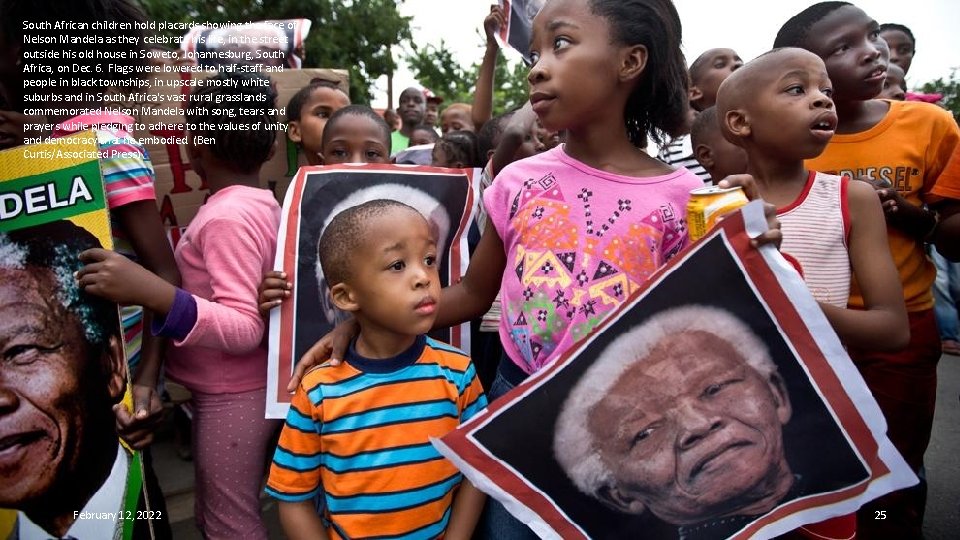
496,202
229,320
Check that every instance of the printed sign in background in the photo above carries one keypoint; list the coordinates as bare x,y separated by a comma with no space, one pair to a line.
446,197
834,442
42,184
180,192
519,28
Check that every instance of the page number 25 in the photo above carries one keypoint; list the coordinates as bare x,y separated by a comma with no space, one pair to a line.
881,514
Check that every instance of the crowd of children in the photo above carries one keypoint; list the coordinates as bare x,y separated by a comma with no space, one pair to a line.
859,184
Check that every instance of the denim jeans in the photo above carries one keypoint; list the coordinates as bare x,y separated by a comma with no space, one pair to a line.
946,295
496,523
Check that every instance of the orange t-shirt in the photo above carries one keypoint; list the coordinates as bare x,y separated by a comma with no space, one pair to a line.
909,147
948,185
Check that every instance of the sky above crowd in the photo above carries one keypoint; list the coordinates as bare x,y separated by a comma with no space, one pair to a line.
747,26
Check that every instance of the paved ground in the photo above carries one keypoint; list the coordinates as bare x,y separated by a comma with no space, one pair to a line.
943,471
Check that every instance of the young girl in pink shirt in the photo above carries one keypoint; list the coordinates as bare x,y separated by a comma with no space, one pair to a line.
573,231
221,354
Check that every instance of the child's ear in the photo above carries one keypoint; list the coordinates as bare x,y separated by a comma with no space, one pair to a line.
293,131
737,123
633,60
321,158
695,94
343,297
704,155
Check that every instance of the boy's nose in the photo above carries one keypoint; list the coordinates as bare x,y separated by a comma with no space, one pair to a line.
822,101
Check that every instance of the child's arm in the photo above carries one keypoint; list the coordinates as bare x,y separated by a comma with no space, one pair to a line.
946,237
483,97
229,321
520,126
883,324
300,521
144,228
472,296
467,507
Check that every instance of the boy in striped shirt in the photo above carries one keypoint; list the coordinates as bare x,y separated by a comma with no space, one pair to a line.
358,432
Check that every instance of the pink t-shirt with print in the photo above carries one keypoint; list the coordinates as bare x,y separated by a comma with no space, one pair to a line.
578,241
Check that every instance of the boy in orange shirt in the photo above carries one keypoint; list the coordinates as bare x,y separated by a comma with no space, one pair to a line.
900,147
358,432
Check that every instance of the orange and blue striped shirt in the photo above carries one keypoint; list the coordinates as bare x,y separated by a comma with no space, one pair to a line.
359,433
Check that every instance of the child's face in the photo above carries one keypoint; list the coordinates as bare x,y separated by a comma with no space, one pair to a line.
791,114
395,281
455,119
720,63
308,130
901,48
355,139
894,87
546,139
421,136
847,41
726,158
574,65
430,115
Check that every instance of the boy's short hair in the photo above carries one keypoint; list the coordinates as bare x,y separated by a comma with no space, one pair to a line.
704,125
429,129
894,26
489,135
295,106
697,67
243,149
357,110
795,31
345,234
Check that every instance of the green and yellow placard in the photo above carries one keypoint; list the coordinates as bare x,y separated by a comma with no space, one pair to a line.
65,471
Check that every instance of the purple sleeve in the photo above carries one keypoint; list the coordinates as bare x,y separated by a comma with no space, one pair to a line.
181,319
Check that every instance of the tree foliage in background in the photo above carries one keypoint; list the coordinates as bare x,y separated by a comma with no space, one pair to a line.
348,34
950,89
436,68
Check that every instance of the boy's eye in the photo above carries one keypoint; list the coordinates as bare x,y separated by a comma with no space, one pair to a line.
795,90
339,152
397,266
828,92
534,57
560,43
373,154
430,260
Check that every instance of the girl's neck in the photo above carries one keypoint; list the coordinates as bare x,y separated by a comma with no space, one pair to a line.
217,180
604,145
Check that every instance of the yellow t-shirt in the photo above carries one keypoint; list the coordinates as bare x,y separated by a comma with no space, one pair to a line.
909,147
